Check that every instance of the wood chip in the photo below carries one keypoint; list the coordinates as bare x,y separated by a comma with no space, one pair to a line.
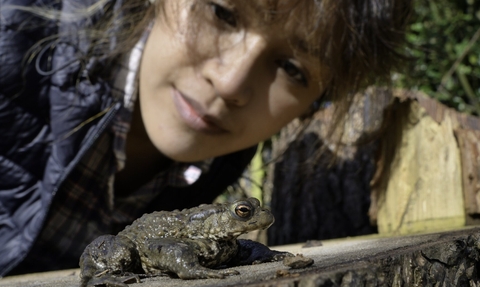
298,261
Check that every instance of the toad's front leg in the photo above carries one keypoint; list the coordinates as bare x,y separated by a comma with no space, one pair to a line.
173,256
252,252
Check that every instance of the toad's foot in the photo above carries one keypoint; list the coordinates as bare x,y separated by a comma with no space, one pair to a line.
252,252
108,280
201,272
277,256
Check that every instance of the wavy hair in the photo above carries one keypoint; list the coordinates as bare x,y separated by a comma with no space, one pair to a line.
360,41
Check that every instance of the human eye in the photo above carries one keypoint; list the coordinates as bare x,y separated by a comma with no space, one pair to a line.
293,71
224,14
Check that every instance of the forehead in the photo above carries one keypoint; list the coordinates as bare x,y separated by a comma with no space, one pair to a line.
274,11
297,20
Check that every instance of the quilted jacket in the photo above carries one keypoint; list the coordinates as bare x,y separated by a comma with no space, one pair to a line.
40,103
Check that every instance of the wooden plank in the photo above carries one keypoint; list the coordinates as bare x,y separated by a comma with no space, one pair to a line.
439,259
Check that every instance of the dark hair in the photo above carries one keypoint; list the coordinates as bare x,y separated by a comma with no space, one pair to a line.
360,41
363,40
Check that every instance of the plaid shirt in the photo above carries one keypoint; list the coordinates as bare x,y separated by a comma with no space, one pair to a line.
85,206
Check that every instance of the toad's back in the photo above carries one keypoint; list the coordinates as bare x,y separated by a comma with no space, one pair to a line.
171,224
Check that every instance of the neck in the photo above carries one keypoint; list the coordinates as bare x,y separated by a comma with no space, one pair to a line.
143,159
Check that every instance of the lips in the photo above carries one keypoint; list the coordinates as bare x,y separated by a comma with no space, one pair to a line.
195,116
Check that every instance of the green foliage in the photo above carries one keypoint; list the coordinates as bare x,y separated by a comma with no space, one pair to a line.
444,38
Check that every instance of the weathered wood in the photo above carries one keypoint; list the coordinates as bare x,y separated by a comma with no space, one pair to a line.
443,259
438,111
439,259
319,187
421,132
424,189
317,201
469,143
420,149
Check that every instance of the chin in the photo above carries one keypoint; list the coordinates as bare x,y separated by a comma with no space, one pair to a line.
189,155
191,149
185,158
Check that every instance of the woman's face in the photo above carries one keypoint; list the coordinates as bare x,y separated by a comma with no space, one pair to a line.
217,78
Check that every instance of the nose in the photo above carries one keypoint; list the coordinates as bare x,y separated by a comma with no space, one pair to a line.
232,71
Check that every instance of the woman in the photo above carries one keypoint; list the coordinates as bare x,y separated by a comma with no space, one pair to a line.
115,108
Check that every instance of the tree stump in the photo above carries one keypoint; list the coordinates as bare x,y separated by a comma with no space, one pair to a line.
404,164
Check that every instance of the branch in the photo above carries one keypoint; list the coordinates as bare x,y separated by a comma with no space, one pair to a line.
455,65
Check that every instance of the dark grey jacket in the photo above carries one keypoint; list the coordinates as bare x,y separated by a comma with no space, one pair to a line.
40,103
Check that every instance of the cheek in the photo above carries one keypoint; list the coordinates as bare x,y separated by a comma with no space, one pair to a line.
271,115
285,105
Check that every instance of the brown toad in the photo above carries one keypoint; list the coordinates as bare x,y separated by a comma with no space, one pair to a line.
185,243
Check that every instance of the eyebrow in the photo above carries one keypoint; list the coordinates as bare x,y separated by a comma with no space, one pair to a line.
302,46
269,9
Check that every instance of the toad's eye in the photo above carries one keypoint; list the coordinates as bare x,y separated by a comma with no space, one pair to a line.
243,211
224,14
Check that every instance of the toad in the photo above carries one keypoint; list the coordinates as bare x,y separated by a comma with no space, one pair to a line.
187,244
